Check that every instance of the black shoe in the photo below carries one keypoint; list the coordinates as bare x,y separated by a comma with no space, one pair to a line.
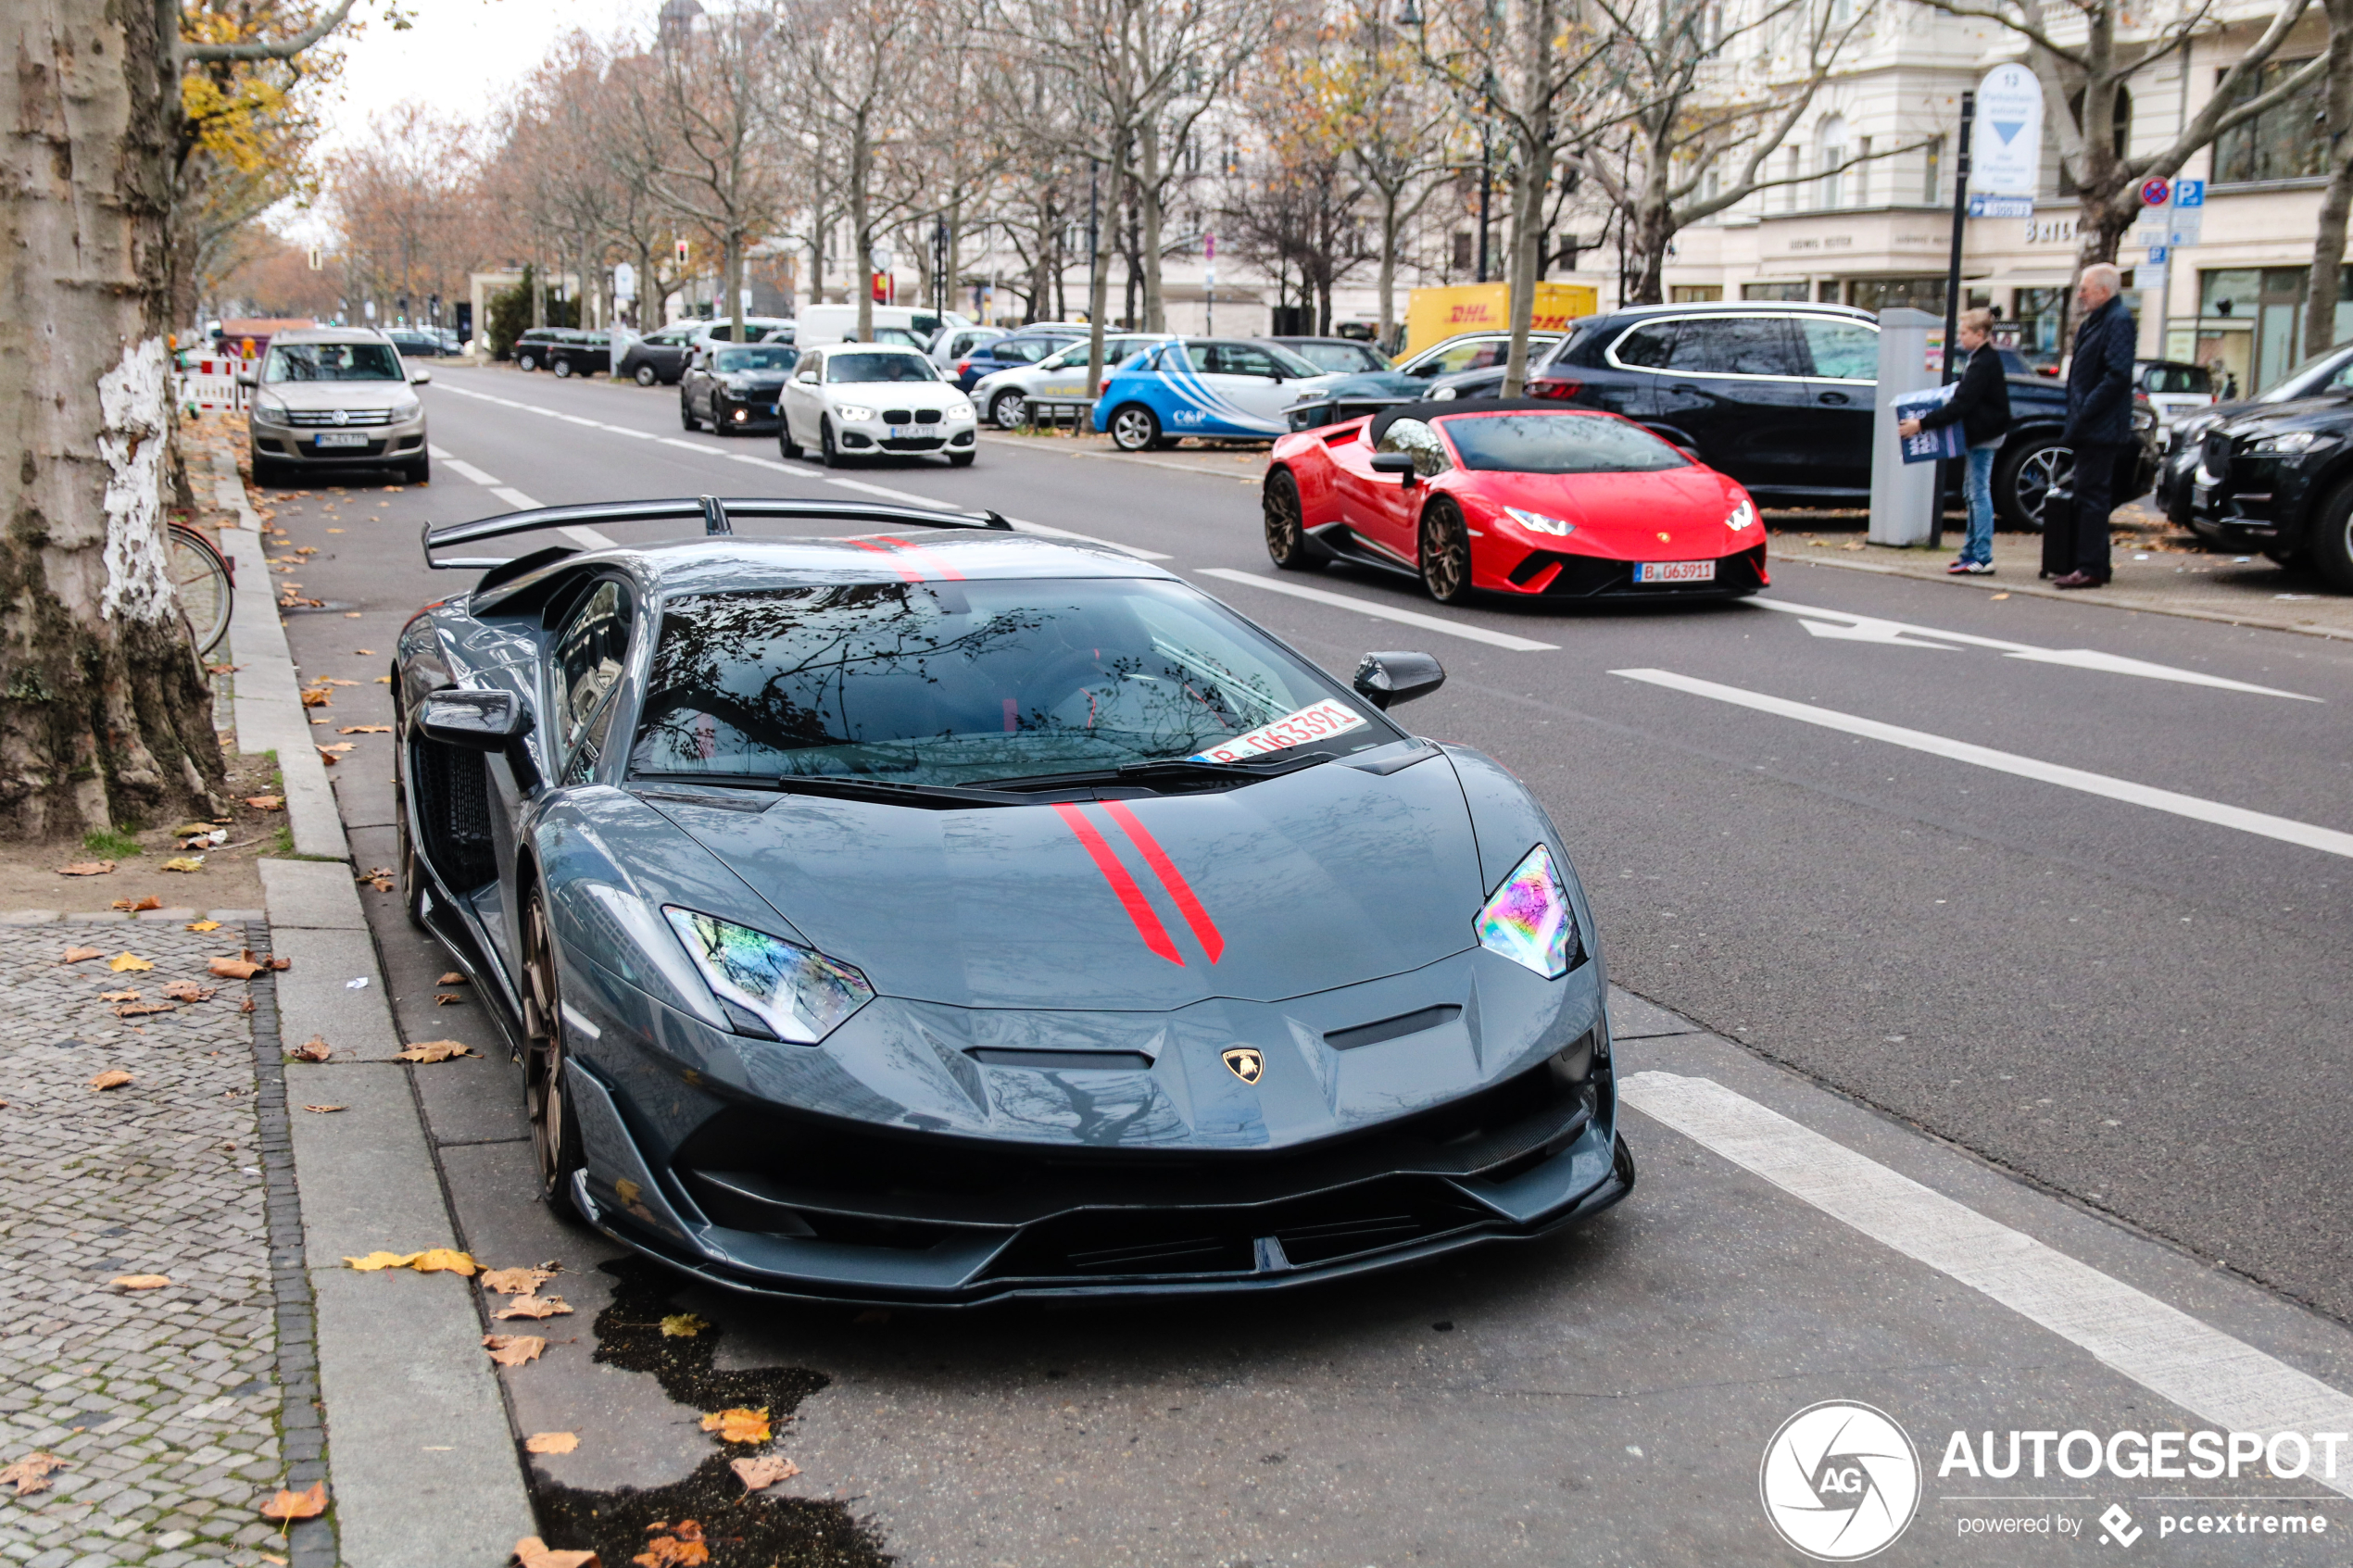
2079,579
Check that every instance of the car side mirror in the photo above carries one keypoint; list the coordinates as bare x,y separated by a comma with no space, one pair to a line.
1398,463
474,719
421,375
246,378
1387,679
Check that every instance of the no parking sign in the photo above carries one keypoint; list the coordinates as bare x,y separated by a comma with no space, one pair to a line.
2155,193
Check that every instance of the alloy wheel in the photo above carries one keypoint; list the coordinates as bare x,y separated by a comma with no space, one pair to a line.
555,1134
1446,554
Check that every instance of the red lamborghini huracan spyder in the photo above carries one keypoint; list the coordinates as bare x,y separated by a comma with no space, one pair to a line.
1512,498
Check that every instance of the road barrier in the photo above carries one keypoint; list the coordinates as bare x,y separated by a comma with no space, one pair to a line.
210,386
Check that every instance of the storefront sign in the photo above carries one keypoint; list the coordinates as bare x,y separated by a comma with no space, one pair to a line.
1981,206
2006,159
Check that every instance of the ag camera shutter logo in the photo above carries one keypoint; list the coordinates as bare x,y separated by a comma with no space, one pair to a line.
1840,1482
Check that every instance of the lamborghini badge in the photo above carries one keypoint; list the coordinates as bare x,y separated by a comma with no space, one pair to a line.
1244,1063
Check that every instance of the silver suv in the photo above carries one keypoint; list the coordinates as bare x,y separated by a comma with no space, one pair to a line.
336,398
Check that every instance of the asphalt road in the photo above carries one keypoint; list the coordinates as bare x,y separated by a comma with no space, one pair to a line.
2073,914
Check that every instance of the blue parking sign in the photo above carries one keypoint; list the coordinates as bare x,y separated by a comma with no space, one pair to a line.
2189,192
2156,256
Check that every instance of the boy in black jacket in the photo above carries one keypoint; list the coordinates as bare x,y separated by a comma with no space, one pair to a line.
1982,402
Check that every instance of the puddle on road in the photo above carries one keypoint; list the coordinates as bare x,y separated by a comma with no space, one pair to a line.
741,1529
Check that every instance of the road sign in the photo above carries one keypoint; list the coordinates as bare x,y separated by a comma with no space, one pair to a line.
2189,223
2156,256
2006,154
1981,206
624,281
318,259
2155,193
2189,192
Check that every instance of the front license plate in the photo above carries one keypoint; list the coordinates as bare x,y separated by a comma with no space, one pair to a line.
1675,572
903,433
340,438
2201,497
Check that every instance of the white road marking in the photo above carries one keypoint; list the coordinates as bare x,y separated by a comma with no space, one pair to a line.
2220,1379
889,494
1386,612
594,538
514,497
689,445
2286,829
1840,625
464,469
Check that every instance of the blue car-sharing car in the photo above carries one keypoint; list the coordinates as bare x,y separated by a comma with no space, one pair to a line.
1229,388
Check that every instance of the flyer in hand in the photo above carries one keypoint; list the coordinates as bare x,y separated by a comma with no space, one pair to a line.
1937,441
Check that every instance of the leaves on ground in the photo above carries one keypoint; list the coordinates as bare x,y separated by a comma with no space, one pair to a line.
86,868
681,1547
112,1078
452,978
189,991
233,969
204,925
140,1282
315,697
758,1474
30,1474
682,1325
375,1260
313,1050
193,830
551,1442
289,1506
141,1009
436,1050
365,730
83,955
325,1109
118,996
181,863
738,1425
149,902
377,877
513,1350
128,963
535,1307
267,802
517,1282
443,999
433,1260
533,1552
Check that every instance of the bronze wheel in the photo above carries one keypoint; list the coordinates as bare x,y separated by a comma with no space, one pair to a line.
1446,568
555,1127
1287,543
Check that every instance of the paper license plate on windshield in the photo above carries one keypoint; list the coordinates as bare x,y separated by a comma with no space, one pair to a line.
1675,572
1317,721
340,438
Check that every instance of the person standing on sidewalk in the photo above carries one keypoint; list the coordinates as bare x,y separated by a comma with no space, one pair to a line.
1981,403
2099,430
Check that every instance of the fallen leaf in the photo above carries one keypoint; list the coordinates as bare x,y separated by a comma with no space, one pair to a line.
380,883
534,1307
127,962
313,1050
141,1009
551,1442
140,1282
204,925
2003,594
86,868
181,863
271,961
452,978
297,1505
375,1260
328,757
368,653
314,698
533,1552
30,1474
149,902
365,729
436,1050
682,1325
323,1110
516,1281
513,1350
332,681
118,996
384,680
339,747
191,830
246,1005
266,802
445,1259
189,991
757,1475
80,954
233,969
112,1078
738,1425
683,1547
443,999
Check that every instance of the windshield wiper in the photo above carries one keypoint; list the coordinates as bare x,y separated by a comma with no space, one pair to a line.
841,786
1173,770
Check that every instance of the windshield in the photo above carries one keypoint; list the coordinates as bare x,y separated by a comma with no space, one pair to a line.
2165,378
971,682
333,361
1341,357
2330,370
775,357
878,367
1293,365
1557,444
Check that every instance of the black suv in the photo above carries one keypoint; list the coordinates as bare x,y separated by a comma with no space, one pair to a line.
1780,397
2279,478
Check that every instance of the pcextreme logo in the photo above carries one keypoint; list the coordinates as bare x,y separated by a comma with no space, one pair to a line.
1840,1481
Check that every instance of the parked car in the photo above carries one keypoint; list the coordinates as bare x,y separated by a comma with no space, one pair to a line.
1337,356
954,343
1025,346
2329,371
1003,395
823,324
1472,351
580,354
732,387
659,357
870,400
1224,387
2173,389
415,342
532,347
336,398
2278,478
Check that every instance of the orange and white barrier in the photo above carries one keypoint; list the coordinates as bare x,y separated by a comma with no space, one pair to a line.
210,386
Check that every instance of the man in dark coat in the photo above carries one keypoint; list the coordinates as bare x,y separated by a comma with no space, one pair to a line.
2099,430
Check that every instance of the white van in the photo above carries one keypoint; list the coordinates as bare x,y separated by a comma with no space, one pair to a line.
821,325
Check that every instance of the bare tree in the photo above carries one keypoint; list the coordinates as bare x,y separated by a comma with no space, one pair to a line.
2336,126
406,207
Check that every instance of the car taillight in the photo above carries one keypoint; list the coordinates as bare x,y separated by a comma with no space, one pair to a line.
1559,391
963,367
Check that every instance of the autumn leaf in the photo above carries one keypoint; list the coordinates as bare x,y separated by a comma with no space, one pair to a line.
445,1259
181,863
86,868
149,902
551,1442
30,1474
436,1050
324,1110
189,991
452,978
513,1350
289,1506
204,925
738,1425
266,802
314,698
313,1050
682,1325
192,830
112,1078
384,680
141,1009
233,969
533,1552
366,730
516,1281
82,955
125,963
443,999
140,1282
534,1307
758,1474
337,749
118,996
375,1260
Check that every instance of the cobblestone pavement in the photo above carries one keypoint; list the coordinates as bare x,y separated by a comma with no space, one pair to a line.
165,1403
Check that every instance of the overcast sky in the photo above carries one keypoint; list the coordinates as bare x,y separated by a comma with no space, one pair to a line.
462,55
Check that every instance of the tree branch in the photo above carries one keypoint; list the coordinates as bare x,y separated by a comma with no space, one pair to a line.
267,48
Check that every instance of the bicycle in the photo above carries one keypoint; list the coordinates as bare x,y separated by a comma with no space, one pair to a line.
207,585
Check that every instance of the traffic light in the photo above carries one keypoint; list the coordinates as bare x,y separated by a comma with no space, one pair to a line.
686,253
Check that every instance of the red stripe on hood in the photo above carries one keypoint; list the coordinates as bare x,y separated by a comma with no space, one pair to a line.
924,558
891,555
1212,941
1131,897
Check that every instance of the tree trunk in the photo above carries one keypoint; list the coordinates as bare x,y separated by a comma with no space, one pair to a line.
731,267
2328,242
1528,214
1098,287
1148,199
105,718
1389,237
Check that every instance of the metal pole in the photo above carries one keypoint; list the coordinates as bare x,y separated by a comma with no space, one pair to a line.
1952,475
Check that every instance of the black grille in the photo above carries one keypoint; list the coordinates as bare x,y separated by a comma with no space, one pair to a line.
897,417
927,416
1584,577
453,814
2216,458
911,442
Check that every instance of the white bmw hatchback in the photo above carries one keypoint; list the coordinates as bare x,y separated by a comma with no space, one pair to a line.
867,400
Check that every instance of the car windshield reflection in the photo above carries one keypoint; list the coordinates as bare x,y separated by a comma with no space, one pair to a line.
333,361
1557,444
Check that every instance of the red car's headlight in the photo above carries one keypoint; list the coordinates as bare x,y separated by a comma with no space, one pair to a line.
1744,515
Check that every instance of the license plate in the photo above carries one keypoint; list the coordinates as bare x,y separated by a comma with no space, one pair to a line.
2201,497
340,438
902,432
1675,572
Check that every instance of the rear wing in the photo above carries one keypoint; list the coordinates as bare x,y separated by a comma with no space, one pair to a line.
716,516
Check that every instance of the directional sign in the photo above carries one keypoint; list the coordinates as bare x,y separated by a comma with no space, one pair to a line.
2155,193
2006,158
2000,206
2189,192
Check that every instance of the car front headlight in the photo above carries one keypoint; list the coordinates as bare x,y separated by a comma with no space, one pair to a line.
406,406
270,413
800,994
960,411
1744,515
852,411
2286,445
1538,523
1529,919
1442,395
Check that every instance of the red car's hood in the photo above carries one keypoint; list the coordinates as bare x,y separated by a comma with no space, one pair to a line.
1629,516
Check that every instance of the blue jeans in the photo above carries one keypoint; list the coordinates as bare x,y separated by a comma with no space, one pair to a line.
1978,485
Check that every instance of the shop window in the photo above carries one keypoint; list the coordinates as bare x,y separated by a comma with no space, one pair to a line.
2279,143
1694,294
1774,291
1886,294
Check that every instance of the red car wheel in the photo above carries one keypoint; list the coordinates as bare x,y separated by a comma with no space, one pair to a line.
1445,552
1287,545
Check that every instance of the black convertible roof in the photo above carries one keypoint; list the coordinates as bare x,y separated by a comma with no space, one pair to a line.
715,514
